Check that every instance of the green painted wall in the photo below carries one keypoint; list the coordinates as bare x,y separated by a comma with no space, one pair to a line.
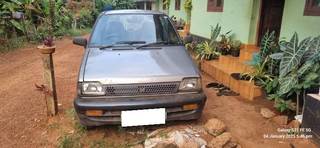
178,13
236,16
255,15
160,6
293,20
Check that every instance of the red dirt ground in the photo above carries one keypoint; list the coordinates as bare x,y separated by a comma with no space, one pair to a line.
23,122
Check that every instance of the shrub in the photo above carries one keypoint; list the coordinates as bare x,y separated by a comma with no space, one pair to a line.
123,4
13,43
86,18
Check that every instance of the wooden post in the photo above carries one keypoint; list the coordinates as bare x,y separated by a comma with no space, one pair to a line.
48,75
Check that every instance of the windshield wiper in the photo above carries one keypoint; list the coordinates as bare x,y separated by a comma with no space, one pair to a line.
151,44
122,42
131,42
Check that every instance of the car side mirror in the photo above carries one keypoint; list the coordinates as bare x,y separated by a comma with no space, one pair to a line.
188,39
80,41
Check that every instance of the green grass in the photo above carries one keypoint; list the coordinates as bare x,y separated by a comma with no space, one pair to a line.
12,44
69,141
54,126
78,32
98,144
70,113
80,129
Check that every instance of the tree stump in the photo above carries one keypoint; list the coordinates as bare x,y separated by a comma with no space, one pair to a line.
49,79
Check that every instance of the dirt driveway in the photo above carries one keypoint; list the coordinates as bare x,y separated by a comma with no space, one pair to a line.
23,122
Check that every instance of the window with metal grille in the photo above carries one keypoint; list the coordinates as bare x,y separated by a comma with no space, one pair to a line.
215,6
312,8
177,4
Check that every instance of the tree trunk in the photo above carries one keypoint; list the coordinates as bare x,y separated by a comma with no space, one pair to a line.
297,106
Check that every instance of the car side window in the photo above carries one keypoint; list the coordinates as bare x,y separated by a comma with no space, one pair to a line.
168,30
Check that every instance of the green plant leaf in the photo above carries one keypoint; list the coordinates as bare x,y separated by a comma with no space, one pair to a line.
277,56
215,32
292,54
313,49
305,67
311,77
17,25
287,83
266,43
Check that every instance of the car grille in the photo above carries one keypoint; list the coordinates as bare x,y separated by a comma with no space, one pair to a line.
142,89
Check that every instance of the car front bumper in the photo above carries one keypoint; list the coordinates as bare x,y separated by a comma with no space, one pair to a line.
112,107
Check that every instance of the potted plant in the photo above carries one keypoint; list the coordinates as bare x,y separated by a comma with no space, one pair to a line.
47,47
224,44
206,51
235,48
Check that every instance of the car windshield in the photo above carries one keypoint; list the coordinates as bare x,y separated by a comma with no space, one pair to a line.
134,28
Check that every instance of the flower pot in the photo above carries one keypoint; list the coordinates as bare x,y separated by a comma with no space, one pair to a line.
235,52
46,50
224,51
187,28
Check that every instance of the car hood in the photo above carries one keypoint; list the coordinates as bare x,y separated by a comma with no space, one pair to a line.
171,63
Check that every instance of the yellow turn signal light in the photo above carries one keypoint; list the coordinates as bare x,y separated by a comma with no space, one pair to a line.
190,107
94,112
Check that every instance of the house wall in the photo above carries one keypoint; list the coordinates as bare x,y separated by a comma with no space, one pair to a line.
236,16
293,20
154,6
178,13
254,24
160,6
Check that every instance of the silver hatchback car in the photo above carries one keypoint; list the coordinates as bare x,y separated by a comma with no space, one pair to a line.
136,71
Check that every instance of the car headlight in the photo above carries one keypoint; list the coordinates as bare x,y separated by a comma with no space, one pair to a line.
190,84
92,88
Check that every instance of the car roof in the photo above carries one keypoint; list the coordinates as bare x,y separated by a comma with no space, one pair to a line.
132,11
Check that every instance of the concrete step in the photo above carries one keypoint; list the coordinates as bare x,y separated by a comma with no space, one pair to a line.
247,53
222,69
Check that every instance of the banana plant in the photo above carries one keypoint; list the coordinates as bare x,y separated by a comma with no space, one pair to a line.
7,8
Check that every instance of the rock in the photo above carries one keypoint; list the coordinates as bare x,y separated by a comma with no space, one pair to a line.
166,145
157,142
230,144
155,132
200,141
280,120
190,144
177,138
199,129
189,131
137,146
267,113
294,124
215,127
220,141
